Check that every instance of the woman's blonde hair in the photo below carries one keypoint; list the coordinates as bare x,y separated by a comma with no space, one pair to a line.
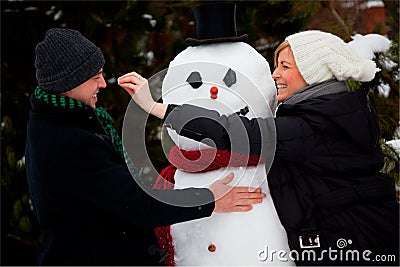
282,46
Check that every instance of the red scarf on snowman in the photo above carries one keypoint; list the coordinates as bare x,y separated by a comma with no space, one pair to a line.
194,161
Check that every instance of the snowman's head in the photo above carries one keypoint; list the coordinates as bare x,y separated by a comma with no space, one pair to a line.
226,77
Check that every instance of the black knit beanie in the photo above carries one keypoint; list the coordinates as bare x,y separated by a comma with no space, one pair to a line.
66,59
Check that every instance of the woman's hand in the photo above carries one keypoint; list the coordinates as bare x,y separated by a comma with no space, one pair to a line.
138,88
234,199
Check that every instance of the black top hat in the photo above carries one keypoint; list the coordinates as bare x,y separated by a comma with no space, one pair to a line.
215,23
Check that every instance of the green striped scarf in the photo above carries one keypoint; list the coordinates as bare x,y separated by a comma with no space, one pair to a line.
102,115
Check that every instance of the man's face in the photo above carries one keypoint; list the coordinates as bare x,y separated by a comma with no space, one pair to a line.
87,91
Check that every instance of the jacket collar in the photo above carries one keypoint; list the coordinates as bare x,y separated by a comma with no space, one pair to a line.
83,117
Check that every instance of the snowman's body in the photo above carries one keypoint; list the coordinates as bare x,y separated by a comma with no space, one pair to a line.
238,238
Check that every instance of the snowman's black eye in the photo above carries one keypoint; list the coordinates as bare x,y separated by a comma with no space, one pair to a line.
194,79
230,78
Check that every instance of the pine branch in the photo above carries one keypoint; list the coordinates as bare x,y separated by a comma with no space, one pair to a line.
335,14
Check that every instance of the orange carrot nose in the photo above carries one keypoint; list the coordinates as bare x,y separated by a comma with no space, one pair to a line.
214,92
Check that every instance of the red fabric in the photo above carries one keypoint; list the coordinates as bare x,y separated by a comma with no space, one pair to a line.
166,181
194,161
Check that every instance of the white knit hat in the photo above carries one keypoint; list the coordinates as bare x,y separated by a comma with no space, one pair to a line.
321,56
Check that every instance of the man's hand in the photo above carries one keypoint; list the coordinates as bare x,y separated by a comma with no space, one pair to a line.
234,199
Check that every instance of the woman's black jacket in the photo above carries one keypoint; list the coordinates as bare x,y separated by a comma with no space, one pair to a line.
90,208
324,179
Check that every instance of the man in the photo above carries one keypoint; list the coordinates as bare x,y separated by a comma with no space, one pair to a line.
91,210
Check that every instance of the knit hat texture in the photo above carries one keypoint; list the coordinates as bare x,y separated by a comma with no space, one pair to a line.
66,59
321,56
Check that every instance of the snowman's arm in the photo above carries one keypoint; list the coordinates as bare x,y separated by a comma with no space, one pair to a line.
235,133
290,137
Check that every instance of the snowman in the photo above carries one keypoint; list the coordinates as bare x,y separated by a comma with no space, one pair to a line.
219,71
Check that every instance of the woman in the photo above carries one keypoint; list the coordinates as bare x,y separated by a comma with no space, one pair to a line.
325,179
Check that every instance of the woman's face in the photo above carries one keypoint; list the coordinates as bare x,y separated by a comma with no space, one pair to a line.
287,76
